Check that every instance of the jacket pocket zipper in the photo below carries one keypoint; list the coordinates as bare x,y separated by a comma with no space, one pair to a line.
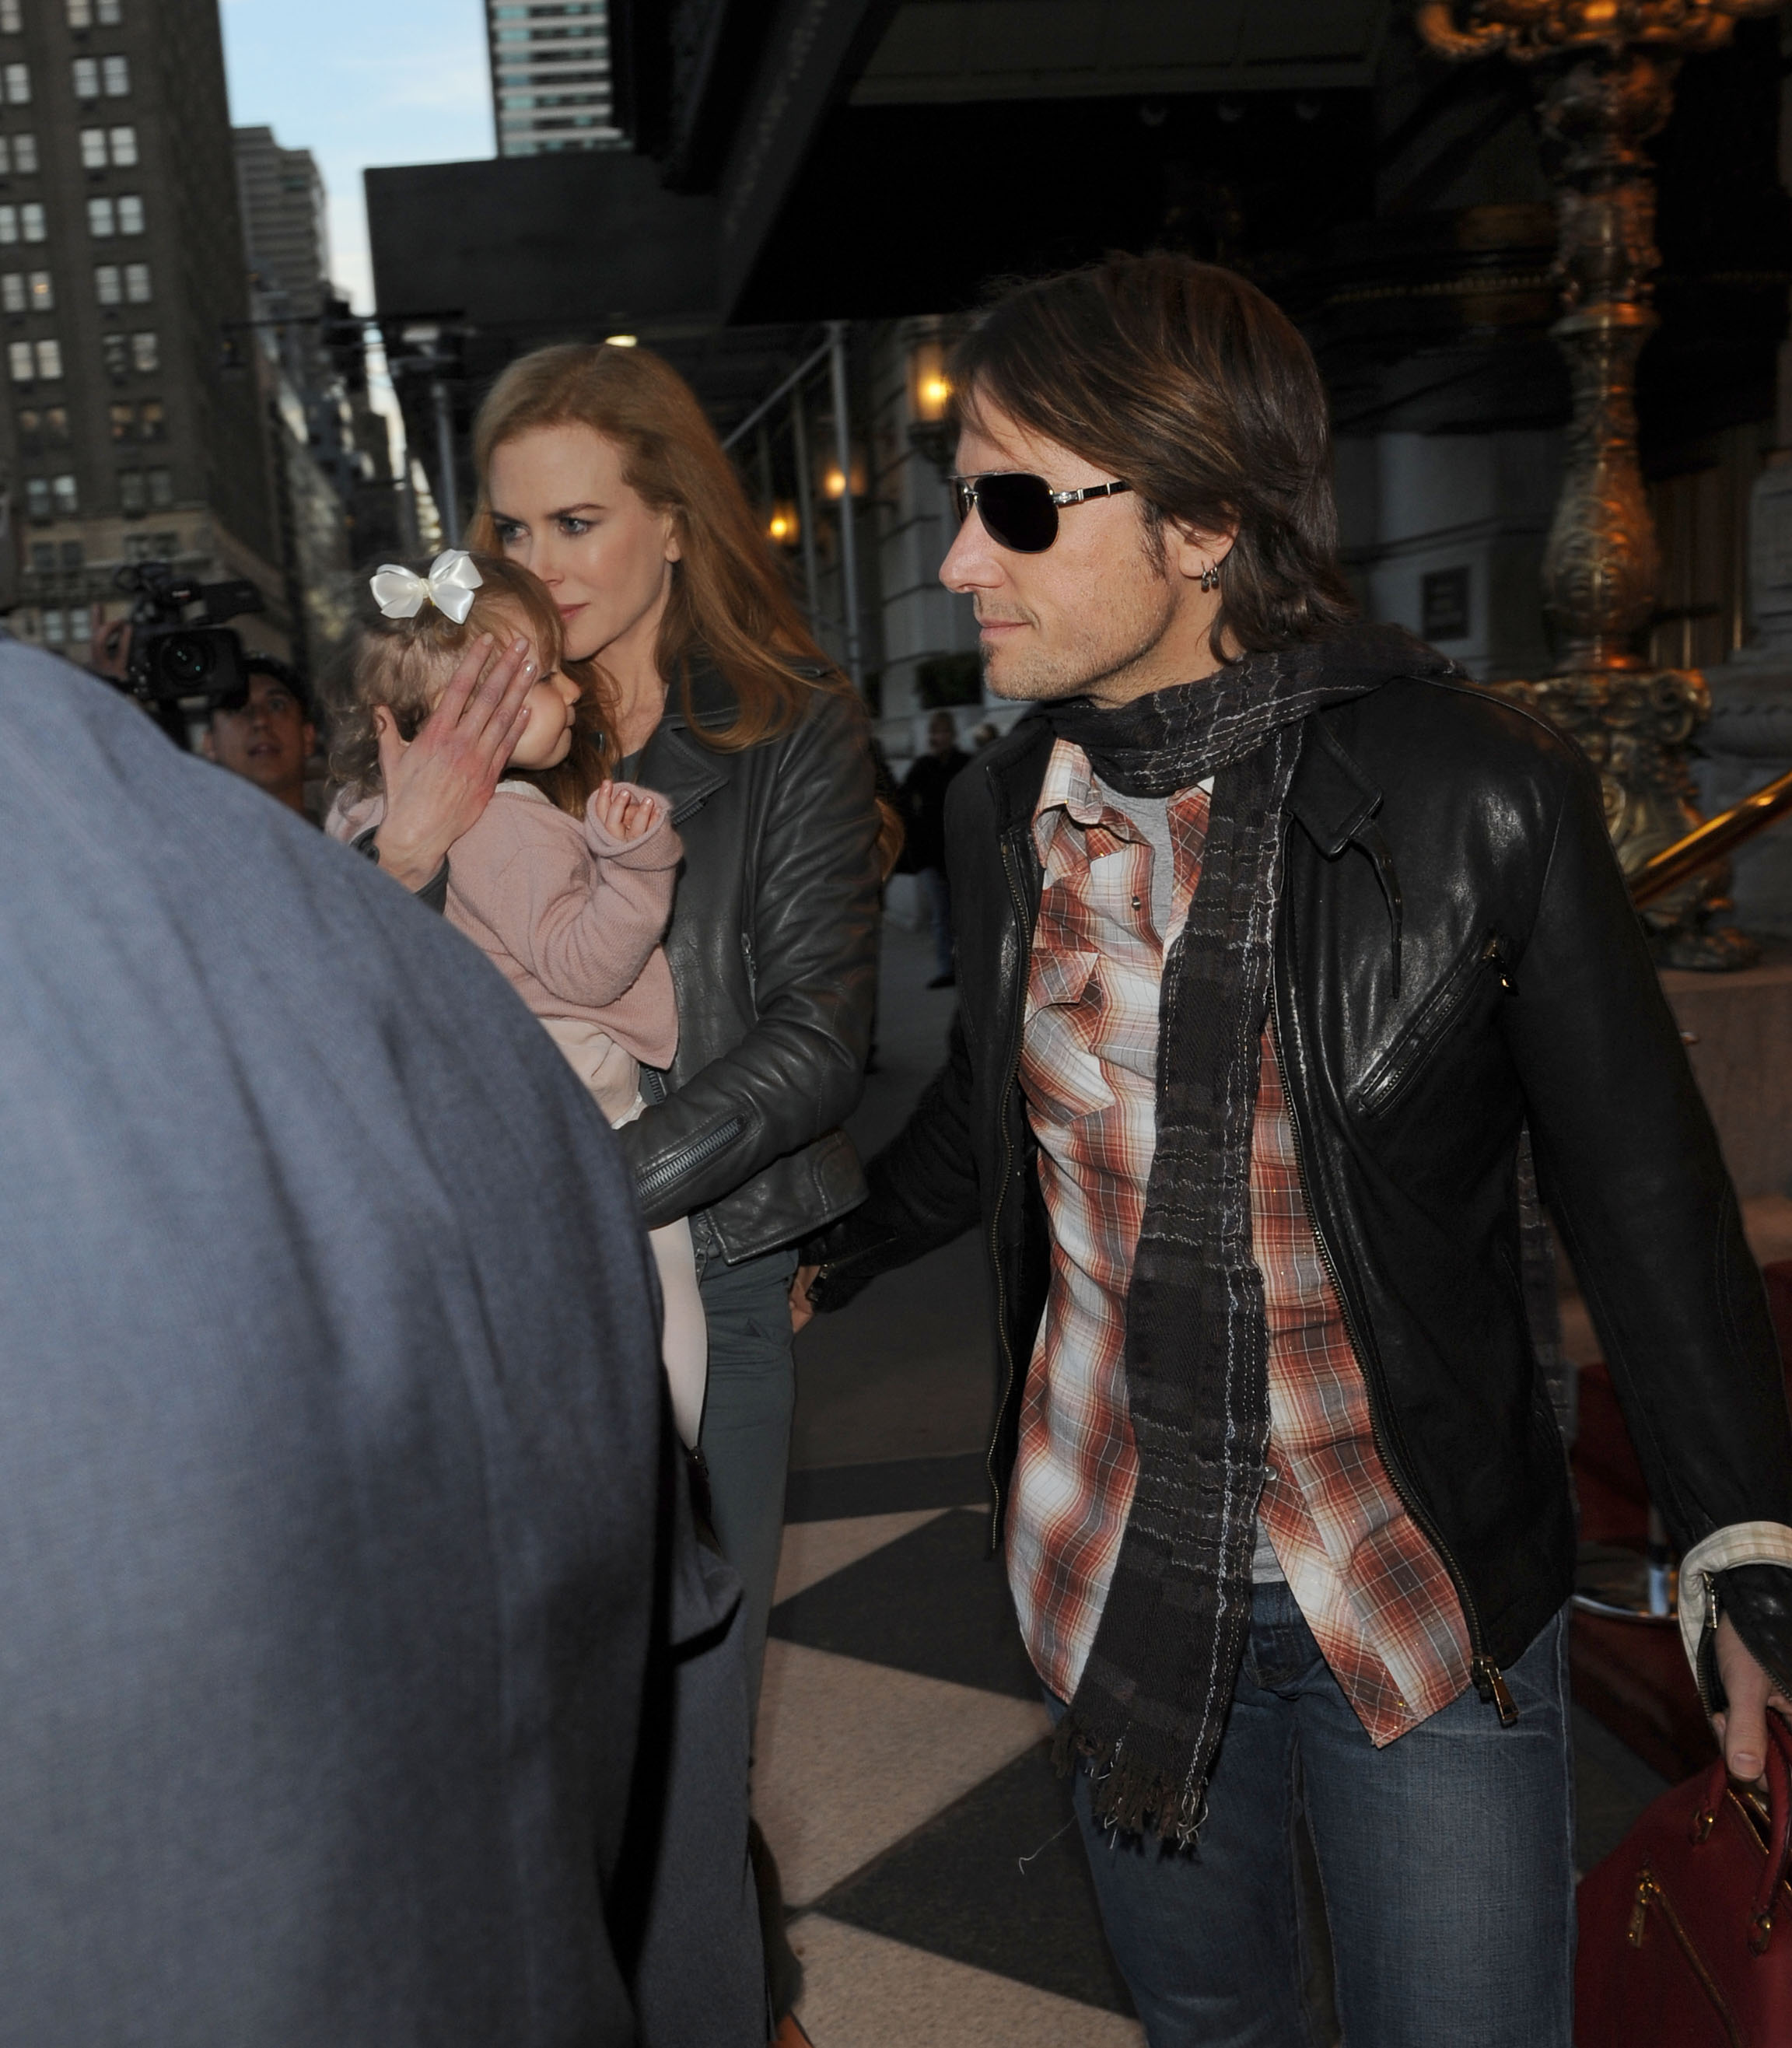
1489,1681
698,1152
1404,1062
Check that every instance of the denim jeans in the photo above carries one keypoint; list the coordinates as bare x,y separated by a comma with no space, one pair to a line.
746,1411
1445,1860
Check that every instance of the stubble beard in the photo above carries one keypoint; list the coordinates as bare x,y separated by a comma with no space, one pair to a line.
1088,662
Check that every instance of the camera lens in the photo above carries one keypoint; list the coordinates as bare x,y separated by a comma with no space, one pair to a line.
188,657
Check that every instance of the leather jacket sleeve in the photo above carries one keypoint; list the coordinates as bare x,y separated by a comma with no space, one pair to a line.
812,956
924,1191
1630,1166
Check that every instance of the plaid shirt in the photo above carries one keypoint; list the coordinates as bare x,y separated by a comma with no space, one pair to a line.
1380,1604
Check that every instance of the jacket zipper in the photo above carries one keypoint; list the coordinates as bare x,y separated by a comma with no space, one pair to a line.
1387,1087
656,1179
995,1221
1489,1681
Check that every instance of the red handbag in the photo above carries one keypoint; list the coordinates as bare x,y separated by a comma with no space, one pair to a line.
1686,1927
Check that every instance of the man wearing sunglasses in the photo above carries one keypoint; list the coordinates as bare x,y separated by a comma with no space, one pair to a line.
1275,937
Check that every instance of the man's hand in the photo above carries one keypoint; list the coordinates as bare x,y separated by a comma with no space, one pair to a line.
802,1309
438,784
1742,1730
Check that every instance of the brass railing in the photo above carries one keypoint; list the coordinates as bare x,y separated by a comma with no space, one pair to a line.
1713,840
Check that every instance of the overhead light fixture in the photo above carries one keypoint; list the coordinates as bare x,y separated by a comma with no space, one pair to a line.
620,340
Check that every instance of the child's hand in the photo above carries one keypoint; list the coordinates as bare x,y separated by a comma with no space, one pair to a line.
623,813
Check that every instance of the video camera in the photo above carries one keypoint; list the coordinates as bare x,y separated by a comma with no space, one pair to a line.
179,665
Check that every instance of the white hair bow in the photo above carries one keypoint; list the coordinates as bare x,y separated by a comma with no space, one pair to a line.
402,593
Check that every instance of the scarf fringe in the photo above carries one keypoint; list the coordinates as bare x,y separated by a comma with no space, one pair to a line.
1124,1798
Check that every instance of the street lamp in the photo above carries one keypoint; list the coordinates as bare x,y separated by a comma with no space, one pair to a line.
1603,72
932,431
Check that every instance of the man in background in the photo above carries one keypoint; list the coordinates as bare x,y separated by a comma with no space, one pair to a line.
349,1604
269,738
923,813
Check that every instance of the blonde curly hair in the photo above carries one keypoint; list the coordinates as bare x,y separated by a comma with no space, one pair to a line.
405,665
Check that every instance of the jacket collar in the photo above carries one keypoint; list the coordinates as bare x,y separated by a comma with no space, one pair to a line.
1014,766
674,762
1331,795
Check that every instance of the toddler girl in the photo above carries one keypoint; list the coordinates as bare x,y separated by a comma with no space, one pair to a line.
565,882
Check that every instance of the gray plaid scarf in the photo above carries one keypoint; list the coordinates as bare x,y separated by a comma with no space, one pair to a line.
1153,1696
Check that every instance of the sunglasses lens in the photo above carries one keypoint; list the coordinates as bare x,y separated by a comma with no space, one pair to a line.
1019,511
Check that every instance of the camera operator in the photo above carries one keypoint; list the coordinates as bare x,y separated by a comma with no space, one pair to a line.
269,736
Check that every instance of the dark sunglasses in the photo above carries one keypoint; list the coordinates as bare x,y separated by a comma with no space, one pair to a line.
1020,512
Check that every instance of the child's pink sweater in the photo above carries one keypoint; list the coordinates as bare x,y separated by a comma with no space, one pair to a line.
571,916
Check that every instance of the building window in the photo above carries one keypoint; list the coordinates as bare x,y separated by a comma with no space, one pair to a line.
71,557
43,558
144,354
124,148
12,292
161,489
30,432
55,631
103,220
66,498
130,214
137,284
152,423
124,422
133,500
168,546
9,224
11,19
114,352
31,219
80,623
116,72
56,428
105,284
37,497
42,292
93,148
86,75
19,362
24,155
49,358
18,85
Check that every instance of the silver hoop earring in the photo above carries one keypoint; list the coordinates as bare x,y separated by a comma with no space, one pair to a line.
1210,576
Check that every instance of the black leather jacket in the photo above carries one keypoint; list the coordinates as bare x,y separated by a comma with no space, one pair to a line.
1431,821
773,947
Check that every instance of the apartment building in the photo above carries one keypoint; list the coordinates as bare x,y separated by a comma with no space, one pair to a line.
550,75
134,425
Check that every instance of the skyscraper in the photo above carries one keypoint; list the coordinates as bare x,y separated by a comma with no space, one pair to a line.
550,75
131,431
283,221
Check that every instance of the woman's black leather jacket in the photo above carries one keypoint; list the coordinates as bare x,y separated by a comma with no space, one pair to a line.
773,946
1432,825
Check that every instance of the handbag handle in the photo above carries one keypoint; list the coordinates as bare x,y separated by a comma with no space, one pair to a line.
1779,1801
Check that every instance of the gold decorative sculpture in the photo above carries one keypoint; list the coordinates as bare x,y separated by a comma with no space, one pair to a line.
1604,72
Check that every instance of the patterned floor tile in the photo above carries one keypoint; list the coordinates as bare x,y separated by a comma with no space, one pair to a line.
815,1550
852,1757
933,1602
863,1991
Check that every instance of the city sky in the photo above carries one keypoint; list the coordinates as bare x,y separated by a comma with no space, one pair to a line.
361,82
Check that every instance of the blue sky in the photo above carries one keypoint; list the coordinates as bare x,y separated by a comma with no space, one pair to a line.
361,82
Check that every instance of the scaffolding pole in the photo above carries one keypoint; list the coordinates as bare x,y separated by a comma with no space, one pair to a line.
849,548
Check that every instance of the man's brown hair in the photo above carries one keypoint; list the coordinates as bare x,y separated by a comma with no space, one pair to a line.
1189,382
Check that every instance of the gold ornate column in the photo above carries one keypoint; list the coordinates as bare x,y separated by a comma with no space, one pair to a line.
1604,72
